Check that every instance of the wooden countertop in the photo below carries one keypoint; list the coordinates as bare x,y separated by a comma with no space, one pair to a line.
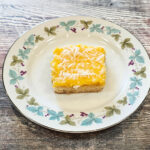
18,133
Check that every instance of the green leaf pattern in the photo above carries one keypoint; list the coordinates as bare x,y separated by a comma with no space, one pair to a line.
32,102
111,110
22,93
86,23
141,72
15,60
51,30
116,36
67,121
123,101
38,38
126,43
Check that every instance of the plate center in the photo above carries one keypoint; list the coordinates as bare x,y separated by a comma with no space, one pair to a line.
39,79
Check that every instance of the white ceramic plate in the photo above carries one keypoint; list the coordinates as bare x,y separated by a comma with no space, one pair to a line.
27,80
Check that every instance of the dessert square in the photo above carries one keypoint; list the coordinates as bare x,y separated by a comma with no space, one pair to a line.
78,68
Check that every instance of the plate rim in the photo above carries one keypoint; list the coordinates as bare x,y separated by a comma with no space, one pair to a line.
66,131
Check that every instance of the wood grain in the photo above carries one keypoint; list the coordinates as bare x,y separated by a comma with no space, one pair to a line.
16,132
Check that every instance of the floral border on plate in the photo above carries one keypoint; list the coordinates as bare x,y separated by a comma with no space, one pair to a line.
17,73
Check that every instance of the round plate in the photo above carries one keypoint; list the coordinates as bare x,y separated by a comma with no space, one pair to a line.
27,79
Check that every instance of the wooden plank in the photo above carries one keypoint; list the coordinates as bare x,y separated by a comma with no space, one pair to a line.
16,132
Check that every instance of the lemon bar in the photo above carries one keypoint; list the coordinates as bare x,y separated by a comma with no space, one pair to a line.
78,68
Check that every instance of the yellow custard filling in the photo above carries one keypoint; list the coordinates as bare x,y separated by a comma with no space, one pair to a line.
78,66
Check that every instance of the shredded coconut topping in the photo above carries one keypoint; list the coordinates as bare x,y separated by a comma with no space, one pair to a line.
78,64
